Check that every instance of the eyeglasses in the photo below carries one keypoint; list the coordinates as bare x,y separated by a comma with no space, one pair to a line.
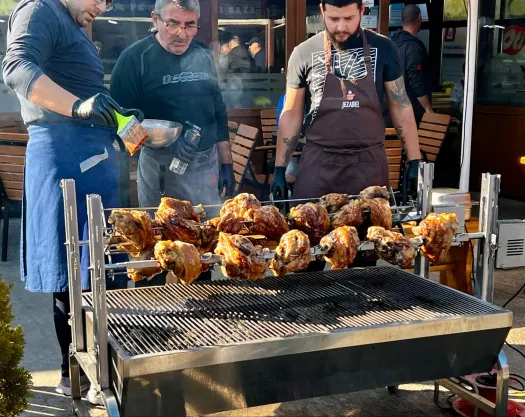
176,28
109,4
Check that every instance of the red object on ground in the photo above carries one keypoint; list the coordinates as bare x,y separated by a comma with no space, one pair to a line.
466,409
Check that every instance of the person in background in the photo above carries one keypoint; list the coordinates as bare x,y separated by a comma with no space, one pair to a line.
258,53
239,58
413,58
457,95
57,73
171,76
222,57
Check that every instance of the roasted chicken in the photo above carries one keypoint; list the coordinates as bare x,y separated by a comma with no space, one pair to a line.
292,254
138,274
241,259
341,246
209,237
380,212
393,247
312,219
240,205
267,221
334,201
229,223
174,227
182,259
183,208
438,231
135,227
350,214
374,192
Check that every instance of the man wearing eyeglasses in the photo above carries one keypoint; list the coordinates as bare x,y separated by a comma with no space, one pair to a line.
57,73
171,76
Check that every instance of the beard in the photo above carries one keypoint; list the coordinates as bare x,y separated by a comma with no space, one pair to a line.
340,45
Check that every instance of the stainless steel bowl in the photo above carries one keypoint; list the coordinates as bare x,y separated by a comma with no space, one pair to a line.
162,133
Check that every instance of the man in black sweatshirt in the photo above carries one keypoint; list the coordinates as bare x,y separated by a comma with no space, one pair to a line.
414,61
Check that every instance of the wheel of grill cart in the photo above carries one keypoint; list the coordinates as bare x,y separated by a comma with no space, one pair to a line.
393,389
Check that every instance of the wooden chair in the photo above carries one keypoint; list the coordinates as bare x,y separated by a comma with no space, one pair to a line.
243,148
12,159
268,125
432,131
232,127
394,155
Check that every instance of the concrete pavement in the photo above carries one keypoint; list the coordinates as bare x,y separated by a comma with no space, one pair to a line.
42,359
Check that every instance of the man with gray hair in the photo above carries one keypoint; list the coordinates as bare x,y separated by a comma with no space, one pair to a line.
414,61
171,76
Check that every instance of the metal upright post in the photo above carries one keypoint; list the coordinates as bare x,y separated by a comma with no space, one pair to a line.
502,386
98,286
488,219
424,205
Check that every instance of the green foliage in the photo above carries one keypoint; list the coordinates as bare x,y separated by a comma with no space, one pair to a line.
455,9
15,381
448,84
6,6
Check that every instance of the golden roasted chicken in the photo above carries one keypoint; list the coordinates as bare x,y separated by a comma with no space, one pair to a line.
267,221
139,274
334,201
183,208
341,246
392,247
380,212
374,191
174,227
135,227
209,237
438,231
350,214
292,254
229,223
182,259
241,259
312,219
240,205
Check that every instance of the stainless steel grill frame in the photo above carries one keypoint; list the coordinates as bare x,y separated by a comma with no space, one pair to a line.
151,352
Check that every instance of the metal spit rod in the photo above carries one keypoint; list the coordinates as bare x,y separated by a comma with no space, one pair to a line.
424,204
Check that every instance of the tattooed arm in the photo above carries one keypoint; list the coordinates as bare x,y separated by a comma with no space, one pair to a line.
290,125
402,116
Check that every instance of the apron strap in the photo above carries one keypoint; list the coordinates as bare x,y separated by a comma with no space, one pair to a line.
327,53
366,54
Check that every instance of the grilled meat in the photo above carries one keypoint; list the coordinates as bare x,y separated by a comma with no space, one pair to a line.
229,223
182,259
341,245
334,201
292,254
240,205
138,274
380,212
438,231
392,247
350,214
209,237
312,219
177,228
183,208
267,221
374,191
135,227
241,259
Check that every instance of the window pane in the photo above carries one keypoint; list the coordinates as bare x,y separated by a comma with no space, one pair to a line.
456,9
514,9
251,55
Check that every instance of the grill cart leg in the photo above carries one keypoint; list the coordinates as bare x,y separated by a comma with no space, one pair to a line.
74,372
502,386
110,402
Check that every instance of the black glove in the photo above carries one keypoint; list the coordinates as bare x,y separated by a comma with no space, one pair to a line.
226,179
279,188
184,149
102,107
412,174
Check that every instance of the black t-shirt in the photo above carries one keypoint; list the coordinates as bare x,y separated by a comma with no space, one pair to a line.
172,87
307,69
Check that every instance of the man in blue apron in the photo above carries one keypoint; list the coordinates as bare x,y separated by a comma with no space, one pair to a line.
57,73
340,75
171,76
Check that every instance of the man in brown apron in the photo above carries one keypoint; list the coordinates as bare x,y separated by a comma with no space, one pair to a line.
344,149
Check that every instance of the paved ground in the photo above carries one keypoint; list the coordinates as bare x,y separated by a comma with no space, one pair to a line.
33,312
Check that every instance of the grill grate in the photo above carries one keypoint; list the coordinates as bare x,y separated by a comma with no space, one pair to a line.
175,317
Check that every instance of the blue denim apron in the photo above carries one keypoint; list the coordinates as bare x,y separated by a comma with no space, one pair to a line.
55,152
199,184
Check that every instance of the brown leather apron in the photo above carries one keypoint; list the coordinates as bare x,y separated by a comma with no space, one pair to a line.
344,150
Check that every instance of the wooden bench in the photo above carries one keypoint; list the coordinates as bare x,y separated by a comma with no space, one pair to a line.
394,155
432,132
12,159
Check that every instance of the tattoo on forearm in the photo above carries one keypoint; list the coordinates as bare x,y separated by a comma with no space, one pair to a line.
401,136
290,144
398,92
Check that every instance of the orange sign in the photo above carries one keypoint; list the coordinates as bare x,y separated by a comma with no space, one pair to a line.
514,40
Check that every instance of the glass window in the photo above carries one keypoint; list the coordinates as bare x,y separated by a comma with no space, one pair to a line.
251,54
456,10
514,9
